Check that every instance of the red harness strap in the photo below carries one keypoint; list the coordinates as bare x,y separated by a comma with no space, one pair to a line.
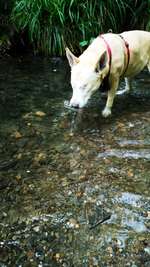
128,53
105,85
109,52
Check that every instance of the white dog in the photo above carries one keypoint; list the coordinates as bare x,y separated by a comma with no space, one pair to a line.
107,59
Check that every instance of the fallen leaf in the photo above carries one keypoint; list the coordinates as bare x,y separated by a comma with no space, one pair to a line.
40,113
18,177
130,173
17,135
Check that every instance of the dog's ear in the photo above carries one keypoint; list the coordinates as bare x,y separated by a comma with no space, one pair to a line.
102,62
71,58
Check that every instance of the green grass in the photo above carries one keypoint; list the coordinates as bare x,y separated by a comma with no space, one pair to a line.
51,25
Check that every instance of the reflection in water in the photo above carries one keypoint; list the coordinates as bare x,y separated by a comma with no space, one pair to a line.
130,217
130,199
74,186
130,154
76,120
133,221
134,143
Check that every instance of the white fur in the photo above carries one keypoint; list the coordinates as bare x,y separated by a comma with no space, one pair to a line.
84,83
87,76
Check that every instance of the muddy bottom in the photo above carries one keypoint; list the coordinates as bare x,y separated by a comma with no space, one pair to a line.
74,187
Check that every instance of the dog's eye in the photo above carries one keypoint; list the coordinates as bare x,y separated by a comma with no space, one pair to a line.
84,86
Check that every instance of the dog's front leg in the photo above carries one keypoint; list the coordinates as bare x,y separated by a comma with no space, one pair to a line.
110,98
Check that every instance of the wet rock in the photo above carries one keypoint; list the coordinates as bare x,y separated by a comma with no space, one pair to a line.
4,183
36,229
110,250
6,165
72,223
40,157
147,250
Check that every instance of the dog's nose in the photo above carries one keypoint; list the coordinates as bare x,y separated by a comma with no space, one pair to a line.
75,105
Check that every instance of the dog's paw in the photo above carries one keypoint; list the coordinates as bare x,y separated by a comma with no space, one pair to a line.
106,112
122,92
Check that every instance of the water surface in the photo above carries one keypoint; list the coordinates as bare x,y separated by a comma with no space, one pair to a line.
74,186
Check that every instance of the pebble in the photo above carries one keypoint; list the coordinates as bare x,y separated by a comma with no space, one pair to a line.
147,250
36,229
72,223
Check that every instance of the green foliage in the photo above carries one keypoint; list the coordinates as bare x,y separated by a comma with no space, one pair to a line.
52,24
6,27
139,13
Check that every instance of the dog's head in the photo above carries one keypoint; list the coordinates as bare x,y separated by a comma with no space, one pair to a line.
86,76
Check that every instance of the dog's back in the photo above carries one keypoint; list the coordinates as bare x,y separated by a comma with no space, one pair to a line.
139,46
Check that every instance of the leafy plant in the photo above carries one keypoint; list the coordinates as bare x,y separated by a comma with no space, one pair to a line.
6,28
51,24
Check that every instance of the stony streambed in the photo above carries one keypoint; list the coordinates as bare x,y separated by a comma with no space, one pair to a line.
74,187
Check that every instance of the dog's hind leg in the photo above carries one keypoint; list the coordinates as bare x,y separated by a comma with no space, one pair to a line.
110,98
127,87
148,66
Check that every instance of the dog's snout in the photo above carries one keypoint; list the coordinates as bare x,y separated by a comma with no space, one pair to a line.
74,105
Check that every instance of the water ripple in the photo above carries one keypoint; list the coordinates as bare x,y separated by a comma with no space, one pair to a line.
126,154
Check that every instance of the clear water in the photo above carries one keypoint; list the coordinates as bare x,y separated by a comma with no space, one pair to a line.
74,187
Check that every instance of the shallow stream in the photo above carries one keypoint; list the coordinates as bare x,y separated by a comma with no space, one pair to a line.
74,187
